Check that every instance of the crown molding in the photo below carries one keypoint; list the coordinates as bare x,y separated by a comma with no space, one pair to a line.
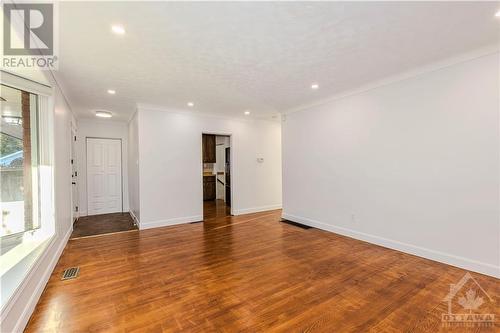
407,75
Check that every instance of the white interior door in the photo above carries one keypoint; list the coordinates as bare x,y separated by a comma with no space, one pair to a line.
104,176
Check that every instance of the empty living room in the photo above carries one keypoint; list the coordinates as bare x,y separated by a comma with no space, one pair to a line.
250,166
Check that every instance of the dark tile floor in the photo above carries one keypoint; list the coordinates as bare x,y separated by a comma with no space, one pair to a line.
102,224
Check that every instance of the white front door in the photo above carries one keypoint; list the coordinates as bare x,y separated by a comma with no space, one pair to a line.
104,176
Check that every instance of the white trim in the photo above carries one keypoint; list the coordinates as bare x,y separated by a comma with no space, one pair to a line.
132,116
122,179
446,258
75,200
134,218
19,82
232,187
476,54
256,209
197,113
169,222
33,275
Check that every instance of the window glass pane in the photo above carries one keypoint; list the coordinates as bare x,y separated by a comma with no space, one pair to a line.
18,161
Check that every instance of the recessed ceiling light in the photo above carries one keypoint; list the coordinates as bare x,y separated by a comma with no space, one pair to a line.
314,86
103,114
118,29
247,113
111,92
190,104
497,14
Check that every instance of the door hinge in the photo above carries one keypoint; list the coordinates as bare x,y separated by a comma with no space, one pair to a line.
71,161
75,137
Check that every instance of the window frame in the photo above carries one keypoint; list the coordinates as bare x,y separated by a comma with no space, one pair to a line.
28,247
9,241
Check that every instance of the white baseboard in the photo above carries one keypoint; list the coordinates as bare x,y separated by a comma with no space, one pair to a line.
446,258
136,220
40,279
169,222
256,209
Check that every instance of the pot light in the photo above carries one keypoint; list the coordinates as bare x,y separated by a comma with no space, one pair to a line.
247,113
314,86
497,14
190,104
111,91
103,114
118,29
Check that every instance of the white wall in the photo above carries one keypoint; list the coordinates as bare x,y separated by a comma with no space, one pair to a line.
413,165
133,167
171,169
100,129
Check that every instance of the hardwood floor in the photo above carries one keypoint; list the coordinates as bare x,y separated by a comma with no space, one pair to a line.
215,209
102,224
248,273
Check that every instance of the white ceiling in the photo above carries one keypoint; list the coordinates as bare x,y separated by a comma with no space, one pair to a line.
261,56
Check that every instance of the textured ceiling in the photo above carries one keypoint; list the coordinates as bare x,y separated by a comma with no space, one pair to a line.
261,56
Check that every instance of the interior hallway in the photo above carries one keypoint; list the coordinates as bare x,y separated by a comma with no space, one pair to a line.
247,273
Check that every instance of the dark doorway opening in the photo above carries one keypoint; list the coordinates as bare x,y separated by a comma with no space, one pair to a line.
216,166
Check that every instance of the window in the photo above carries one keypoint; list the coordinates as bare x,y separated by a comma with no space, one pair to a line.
27,225
18,165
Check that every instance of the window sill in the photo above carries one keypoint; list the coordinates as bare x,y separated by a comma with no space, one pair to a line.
16,264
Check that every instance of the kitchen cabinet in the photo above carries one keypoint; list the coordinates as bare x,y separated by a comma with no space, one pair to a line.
208,148
209,184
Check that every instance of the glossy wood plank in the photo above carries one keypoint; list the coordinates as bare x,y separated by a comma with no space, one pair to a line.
214,210
248,273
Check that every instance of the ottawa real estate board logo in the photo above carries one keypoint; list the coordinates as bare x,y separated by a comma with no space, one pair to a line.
469,305
29,36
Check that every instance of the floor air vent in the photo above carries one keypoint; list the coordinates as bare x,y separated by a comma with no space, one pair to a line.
303,226
70,273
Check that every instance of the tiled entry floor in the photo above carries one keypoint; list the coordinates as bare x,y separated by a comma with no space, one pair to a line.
102,224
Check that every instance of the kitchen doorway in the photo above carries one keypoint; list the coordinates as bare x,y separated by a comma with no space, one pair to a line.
216,174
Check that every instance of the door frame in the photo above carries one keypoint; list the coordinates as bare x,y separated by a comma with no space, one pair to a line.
231,145
73,155
86,164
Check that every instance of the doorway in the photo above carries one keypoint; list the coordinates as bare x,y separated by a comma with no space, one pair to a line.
216,170
104,191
